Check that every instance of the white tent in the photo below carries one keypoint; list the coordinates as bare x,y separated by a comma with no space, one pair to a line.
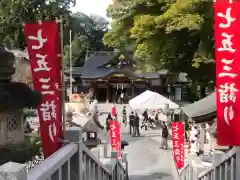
151,100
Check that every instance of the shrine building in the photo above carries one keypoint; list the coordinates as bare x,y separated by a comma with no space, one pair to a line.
110,74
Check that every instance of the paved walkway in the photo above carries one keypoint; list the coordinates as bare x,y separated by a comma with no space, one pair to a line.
146,160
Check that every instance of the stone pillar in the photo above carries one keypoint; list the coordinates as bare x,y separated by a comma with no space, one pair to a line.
11,170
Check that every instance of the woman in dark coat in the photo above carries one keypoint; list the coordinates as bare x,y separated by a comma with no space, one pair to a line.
108,119
131,119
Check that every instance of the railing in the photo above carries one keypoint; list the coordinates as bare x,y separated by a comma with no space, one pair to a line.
222,169
74,161
187,173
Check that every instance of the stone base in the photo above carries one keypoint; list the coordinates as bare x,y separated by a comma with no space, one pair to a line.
12,170
20,153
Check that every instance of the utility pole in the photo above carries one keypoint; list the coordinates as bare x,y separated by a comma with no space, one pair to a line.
70,64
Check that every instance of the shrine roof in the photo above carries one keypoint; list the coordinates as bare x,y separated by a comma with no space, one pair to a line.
98,59
75,71
101,72
202,107
151,75
96,67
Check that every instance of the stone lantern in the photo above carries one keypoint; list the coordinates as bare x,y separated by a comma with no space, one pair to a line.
90,131
14,96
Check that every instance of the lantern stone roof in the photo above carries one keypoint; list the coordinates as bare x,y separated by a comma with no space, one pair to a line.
14,95
20,54
90,126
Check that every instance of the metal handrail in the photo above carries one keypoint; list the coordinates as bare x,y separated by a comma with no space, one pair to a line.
53,163
59,166
223,168
219,162
187,173
93,157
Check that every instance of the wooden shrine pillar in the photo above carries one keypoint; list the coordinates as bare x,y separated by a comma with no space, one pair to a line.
108,93
148,85
94,86
133,89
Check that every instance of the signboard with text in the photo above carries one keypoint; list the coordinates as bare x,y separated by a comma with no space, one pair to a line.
115,137
44,47
227,42
178,143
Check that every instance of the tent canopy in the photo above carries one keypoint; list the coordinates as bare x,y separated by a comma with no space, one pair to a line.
151,100
202,107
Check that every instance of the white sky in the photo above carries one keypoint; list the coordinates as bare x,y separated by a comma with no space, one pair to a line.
88,7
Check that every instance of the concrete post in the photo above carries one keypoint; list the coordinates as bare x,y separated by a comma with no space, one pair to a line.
13,171
74,134
237,163
103,150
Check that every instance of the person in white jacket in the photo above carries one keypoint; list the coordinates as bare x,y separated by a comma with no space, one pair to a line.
194,139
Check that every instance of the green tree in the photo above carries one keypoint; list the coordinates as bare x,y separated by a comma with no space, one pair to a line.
80,45
87,33
14,13
175,35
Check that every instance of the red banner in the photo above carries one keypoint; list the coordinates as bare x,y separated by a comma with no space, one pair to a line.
227,39
43,48
114,111
115,136
178,143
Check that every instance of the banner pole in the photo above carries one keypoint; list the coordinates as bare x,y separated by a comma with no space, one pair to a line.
62,65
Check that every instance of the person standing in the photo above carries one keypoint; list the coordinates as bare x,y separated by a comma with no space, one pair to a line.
164,143
69,114
131,120
201,137
145,120
145,115
124,115
194,138
108,119
186,130
136,131
122,97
